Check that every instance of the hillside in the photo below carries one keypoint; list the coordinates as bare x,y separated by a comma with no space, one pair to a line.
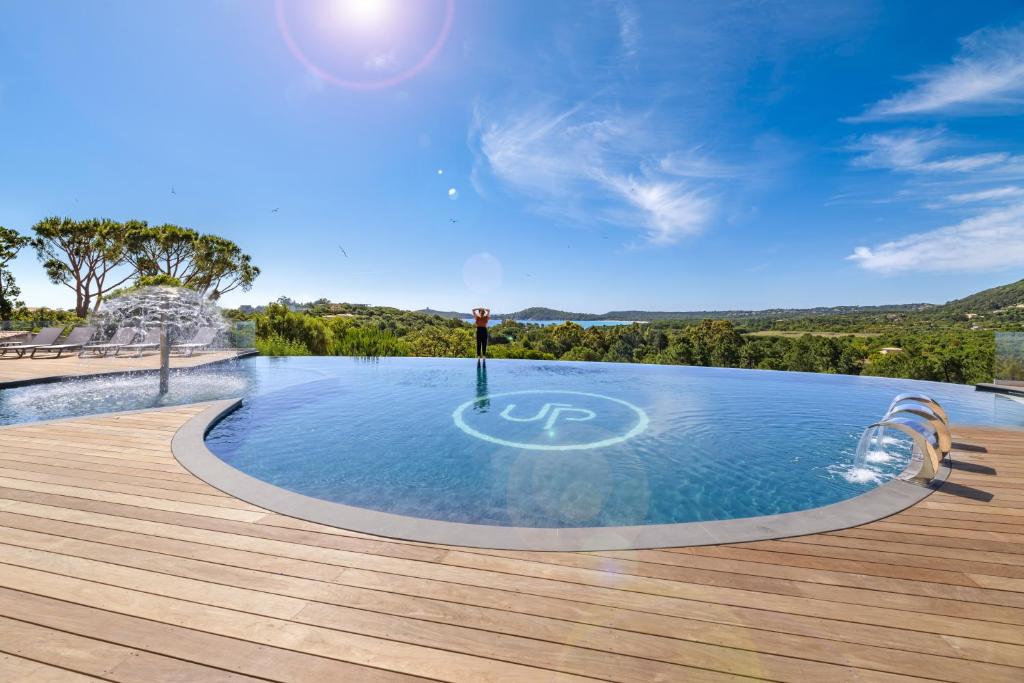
987,301
541,313
999,305
452,315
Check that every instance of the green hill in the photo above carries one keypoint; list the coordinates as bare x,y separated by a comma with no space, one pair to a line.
453,315
987,301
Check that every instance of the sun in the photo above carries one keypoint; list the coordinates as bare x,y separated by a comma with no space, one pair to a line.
364,14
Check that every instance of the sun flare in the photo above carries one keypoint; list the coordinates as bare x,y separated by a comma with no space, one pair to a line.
364,14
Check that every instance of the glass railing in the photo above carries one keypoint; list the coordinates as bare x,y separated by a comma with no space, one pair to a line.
1009,365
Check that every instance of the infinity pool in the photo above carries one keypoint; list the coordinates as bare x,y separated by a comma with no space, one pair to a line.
556,445
533,444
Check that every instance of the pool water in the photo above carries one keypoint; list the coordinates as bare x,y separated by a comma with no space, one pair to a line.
557,444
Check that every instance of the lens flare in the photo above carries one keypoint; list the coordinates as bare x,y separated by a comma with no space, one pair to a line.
366,14
365,44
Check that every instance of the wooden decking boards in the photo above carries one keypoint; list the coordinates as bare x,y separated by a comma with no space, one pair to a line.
117,564
14,369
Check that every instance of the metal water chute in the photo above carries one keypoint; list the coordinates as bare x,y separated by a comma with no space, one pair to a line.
921,399
924,436
943,438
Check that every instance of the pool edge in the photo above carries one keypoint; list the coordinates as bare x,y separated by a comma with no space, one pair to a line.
189,448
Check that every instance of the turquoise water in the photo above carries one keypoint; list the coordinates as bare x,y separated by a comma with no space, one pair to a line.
545,444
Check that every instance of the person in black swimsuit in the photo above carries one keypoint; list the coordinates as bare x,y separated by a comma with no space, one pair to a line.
481,316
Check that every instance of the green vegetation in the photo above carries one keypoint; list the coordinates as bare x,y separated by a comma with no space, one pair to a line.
898,350
207,264
10,244
953,342
1010,356
96,257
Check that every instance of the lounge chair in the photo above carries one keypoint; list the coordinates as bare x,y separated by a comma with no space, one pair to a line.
150,342
75,340
45,337
201,341
123,336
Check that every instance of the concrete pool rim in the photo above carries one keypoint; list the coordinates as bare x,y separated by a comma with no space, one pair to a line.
189,449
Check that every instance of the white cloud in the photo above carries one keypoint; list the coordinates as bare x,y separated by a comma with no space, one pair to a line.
629,29
590,166
379,61
899,151
670,210
966,164
986,75
914,151
695,164
995,193
991,240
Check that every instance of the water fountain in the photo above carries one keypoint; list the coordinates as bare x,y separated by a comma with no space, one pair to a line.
178,312
914,422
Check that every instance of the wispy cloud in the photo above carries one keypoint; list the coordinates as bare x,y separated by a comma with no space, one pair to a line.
378,61
898,150
695,163
916,151
996,193
629,28
592,165
989,241
986,75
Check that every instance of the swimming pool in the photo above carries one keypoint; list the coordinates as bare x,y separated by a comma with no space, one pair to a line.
533,445
566,445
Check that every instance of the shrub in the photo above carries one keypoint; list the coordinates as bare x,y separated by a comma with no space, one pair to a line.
276,345
363,341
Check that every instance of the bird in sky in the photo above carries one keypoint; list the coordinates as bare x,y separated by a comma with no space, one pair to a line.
343,250
452,220
172,190
273,211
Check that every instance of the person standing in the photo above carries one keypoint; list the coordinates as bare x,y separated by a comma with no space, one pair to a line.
481,316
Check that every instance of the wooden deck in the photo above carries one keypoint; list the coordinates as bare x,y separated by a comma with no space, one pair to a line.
14,369
115,563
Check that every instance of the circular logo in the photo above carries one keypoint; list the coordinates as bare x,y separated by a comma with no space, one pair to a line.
550,420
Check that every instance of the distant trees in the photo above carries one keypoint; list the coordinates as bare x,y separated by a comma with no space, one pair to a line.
960,356
82,256
94,257
206,263
10,244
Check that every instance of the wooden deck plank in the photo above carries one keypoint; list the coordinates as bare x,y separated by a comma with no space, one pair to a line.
596,600
227,654
15,669
97,658
790,667
98,523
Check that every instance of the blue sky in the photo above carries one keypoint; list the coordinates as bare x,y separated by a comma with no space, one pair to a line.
604,155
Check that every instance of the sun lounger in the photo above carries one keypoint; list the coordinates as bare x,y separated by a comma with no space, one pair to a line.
150,342
46,336
201,341
75,340
123,336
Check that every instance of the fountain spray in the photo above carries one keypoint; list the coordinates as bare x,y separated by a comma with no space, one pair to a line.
176,311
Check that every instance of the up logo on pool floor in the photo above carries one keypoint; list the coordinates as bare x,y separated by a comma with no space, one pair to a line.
551,420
